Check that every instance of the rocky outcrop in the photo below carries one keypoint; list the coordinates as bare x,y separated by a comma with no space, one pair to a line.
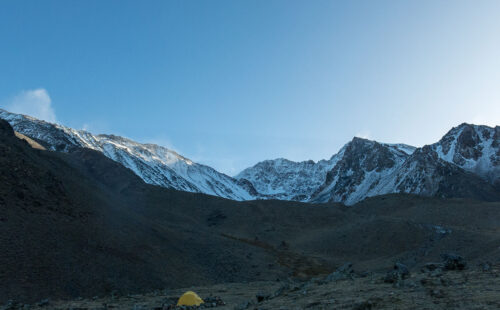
473,148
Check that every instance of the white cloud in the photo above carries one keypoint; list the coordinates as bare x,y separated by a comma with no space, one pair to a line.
35,102
364,135
161,140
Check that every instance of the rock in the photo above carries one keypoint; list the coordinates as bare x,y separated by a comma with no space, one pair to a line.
436,273
261,296
445,282
213,301
371,303
343,272
453,261
284,245
391,277
243,306
398,274
403,270
313,304
346,268
437,293
115,294
430,282
432,267
43,303
485,266
281,289
410,284
10,305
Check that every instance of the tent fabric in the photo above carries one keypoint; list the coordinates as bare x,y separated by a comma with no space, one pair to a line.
190,299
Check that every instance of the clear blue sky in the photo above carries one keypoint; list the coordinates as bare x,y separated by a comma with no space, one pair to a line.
230,83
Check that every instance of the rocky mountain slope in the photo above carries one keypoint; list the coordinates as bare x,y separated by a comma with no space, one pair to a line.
369,168
464,163
80,224
363,168
154,164
473,148
286,179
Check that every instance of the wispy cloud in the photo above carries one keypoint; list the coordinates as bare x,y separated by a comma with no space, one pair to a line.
364,135
34,102
161,140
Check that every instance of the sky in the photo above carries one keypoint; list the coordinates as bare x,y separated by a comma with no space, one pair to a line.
231,83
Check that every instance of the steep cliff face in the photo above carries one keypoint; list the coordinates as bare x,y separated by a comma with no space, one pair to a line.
365,167
424,173
473,148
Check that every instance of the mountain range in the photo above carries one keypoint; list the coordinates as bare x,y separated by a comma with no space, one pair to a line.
464,163
78,224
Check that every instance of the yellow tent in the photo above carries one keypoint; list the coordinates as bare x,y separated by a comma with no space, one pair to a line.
190,299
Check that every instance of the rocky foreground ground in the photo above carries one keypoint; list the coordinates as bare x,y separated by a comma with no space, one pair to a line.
441,285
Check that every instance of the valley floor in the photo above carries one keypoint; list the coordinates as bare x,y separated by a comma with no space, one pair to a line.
473,288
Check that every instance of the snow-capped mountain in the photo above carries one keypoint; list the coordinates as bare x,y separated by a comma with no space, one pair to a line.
154,164
474,148
362,170
424,173
286,179
335,179
464,163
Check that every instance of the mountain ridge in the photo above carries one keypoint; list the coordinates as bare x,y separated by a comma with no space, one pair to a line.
80,224
366,168
362,168
155,164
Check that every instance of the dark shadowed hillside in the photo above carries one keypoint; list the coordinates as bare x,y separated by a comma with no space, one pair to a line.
79,224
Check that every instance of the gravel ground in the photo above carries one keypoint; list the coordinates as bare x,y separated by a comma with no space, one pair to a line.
474,288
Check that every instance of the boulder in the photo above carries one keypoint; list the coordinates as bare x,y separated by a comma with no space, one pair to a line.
453,261
261,296
398,273
343,272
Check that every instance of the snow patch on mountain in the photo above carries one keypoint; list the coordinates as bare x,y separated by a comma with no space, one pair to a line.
475,148
364,170
154,164
464,163
286,179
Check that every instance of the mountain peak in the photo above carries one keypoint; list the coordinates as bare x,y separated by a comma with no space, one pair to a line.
356,139
475,148
362,167
154,164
